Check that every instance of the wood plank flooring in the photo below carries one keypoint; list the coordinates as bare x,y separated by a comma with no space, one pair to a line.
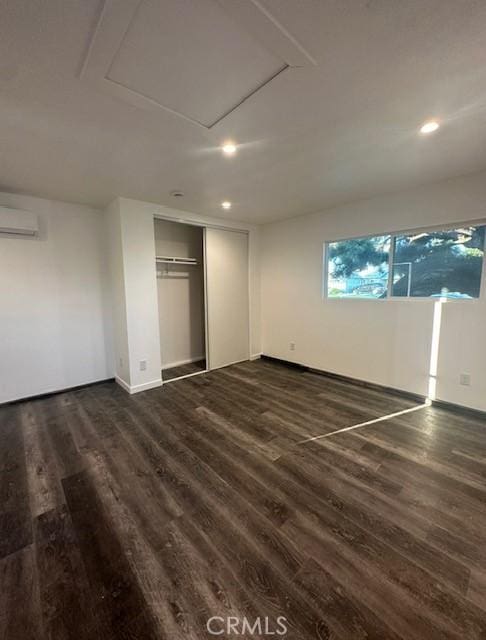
183,370
141,517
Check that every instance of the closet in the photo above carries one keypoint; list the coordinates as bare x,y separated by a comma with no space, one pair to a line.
203,297
179,252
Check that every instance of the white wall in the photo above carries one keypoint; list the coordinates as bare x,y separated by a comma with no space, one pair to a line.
141,297
382,341
133,282
54,321
180,291
116,290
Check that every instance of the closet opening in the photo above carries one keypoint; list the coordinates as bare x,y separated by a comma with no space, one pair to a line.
180,266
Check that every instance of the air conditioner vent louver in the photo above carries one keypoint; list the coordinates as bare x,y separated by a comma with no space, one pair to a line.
18,223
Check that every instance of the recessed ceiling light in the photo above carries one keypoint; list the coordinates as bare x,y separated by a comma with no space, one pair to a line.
429,127
226,204
229,148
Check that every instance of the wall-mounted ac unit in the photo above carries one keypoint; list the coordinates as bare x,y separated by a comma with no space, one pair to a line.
17,222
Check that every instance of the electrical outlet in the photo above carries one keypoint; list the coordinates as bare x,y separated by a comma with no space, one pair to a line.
143,365
465,379
292,346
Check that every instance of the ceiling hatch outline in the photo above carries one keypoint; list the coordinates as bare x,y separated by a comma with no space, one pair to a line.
117,16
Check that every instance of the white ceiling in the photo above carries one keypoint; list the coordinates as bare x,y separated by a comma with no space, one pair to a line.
339,122
189,38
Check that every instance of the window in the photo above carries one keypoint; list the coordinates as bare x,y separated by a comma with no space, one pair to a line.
439,263
358,268
446,263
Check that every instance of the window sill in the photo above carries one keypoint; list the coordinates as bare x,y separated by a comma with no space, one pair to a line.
405,299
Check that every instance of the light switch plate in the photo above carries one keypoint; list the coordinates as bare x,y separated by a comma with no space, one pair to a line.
465,379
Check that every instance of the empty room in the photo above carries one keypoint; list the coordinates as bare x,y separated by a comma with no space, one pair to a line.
242,319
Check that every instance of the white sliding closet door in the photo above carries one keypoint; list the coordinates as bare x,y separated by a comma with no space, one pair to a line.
227,296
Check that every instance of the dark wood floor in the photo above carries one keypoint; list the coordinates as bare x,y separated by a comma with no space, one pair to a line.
183,370
143,516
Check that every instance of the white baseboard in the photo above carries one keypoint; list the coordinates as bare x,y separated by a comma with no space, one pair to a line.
146,386
179,363
122,383
256,356
139,387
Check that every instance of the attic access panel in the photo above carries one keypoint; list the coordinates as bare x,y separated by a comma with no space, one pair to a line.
193,58
199,59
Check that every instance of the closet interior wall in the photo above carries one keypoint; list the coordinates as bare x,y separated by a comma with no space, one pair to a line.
180,289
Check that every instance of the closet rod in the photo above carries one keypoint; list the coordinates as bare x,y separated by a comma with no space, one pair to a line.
174,260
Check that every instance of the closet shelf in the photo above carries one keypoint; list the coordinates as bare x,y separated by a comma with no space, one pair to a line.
175,260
